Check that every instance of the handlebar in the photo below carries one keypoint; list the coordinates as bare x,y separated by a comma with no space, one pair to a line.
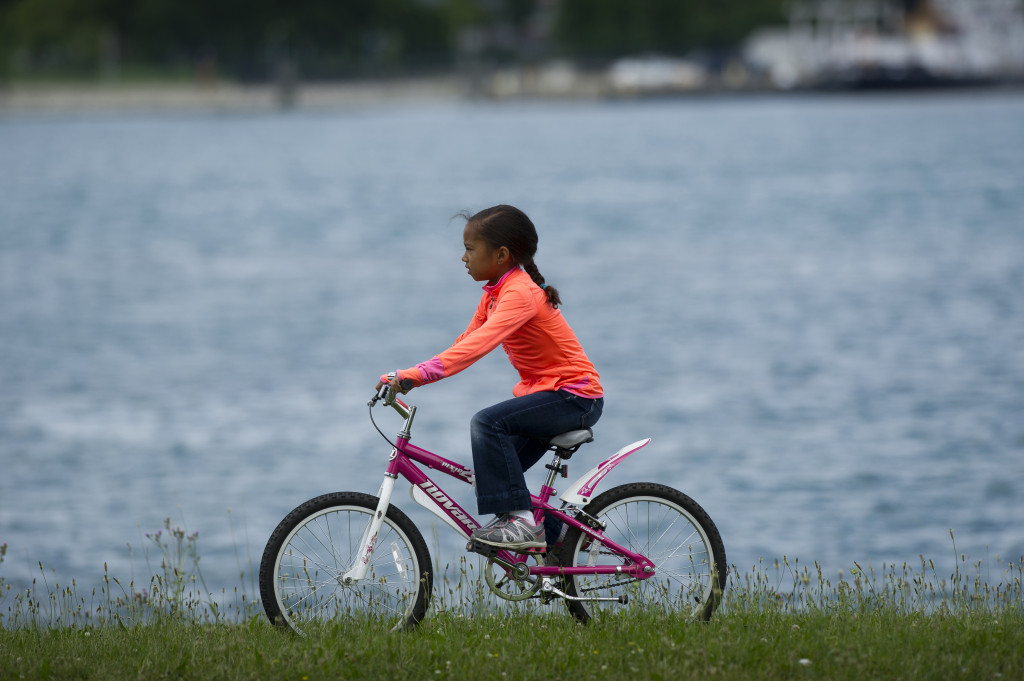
391,399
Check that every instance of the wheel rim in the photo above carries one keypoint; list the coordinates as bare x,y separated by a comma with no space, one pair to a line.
671,537
322,548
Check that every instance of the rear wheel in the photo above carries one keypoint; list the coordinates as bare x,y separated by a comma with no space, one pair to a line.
301,582
665,525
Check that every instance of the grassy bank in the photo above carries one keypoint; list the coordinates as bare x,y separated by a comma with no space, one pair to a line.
779,621
734,645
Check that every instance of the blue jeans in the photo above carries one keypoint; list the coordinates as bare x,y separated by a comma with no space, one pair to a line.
511,436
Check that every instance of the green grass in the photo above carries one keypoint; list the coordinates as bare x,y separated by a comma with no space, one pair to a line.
779,621
735,645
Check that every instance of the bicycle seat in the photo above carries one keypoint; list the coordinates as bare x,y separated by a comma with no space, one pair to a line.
572,440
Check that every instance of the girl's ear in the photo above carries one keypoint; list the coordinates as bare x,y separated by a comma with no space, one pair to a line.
503,255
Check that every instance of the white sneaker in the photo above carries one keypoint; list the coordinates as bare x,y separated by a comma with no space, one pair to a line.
511,532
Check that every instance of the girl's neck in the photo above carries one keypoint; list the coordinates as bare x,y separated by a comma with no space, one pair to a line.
494,282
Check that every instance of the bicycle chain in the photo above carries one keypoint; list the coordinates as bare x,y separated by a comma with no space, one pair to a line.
609,586
547,596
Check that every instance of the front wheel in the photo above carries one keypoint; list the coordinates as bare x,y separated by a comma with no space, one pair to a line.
666,526
301,582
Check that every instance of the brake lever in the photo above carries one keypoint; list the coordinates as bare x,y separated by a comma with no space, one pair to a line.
382,394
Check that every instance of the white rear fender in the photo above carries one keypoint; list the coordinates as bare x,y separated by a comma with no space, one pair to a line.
581,491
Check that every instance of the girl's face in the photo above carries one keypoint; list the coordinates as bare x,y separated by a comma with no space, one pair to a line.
482,262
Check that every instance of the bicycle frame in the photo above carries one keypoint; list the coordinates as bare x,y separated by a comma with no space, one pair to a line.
403,463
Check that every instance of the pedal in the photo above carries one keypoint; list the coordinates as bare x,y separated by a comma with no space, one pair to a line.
486,550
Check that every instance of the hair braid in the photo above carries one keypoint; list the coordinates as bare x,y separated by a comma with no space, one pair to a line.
531,268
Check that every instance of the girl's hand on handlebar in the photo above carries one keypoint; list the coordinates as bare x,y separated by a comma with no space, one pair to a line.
394,385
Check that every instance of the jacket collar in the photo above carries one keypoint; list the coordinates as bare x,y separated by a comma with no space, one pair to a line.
497,286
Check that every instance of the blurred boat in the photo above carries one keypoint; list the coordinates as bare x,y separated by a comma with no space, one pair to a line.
890,44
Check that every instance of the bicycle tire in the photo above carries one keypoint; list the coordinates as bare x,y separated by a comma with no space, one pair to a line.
315,544
665,525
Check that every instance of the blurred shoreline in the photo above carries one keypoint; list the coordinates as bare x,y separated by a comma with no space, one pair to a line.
221,96
503,86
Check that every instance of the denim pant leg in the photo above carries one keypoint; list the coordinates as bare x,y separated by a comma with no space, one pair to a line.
511,436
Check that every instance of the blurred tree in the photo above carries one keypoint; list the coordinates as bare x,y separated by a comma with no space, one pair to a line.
463,14
250,39
608,28
62,34
244,38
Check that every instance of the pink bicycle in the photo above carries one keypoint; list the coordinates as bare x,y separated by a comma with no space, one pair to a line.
348,554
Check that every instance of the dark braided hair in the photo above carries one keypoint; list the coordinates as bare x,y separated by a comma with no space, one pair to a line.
510,227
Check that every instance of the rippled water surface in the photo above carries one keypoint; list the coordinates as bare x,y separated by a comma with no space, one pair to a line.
815,306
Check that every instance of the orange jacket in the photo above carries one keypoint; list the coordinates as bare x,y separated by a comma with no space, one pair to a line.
515,314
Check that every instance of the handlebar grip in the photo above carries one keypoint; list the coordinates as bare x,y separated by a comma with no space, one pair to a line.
385,393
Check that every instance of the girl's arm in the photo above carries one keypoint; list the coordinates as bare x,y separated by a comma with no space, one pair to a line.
479,317
483,335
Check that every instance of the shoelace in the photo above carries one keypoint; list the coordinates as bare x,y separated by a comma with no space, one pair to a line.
499,519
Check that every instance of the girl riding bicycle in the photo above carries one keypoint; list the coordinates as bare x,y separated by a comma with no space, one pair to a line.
559,388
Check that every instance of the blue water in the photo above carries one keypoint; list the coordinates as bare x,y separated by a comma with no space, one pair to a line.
815,306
